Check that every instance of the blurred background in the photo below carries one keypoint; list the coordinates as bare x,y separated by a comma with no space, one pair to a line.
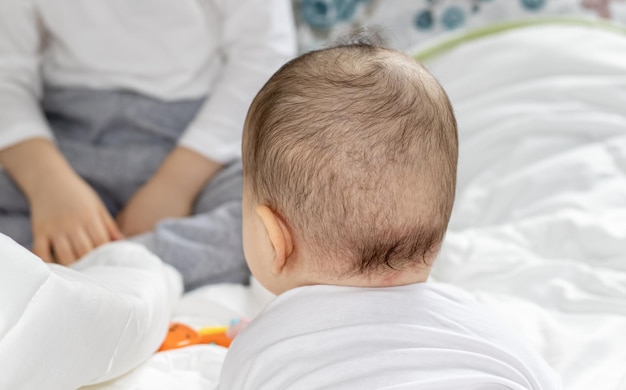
408,23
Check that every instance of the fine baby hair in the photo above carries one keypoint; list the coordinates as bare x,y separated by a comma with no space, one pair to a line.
355,147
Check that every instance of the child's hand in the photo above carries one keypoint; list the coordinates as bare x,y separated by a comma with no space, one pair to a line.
68,221
170,193
155,201
67,217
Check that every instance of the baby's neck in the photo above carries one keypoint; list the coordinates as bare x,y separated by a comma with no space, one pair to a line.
382,279
307,270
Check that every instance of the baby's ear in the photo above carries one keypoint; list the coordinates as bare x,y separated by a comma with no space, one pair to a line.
279,236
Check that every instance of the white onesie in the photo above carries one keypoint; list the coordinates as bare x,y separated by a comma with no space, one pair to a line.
419,336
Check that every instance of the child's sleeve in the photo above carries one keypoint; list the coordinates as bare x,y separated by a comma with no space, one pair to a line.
257,36
20,81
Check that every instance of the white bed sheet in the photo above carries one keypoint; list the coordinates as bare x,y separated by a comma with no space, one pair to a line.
539,227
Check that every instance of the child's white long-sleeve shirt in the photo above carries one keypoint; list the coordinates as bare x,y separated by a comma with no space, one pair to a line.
165,49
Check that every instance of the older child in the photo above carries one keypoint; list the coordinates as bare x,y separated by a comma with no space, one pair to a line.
122,118
349,176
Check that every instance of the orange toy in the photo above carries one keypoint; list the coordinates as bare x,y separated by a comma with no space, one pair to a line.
181,335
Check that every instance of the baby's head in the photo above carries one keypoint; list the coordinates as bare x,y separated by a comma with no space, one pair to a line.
349,158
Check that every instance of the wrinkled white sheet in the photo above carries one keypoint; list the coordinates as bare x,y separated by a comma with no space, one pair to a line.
61,328
197,367
539,226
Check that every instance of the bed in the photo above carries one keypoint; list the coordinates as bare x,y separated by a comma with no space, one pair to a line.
538,231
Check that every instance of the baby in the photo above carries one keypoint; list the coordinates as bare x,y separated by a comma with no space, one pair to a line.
350,158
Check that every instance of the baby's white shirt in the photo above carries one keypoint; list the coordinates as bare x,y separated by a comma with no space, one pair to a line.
419,336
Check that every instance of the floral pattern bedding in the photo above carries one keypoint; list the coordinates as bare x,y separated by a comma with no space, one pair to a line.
407,23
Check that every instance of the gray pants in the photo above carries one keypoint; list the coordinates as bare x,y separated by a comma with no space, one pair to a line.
116,141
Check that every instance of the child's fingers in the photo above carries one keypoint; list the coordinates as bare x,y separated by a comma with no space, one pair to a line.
41,248
111,226
82,244
98,233
63,252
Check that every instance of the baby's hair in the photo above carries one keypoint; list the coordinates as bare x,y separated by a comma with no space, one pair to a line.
364,37
355,148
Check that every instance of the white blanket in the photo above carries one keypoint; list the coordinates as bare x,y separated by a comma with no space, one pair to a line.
61,328
539,225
